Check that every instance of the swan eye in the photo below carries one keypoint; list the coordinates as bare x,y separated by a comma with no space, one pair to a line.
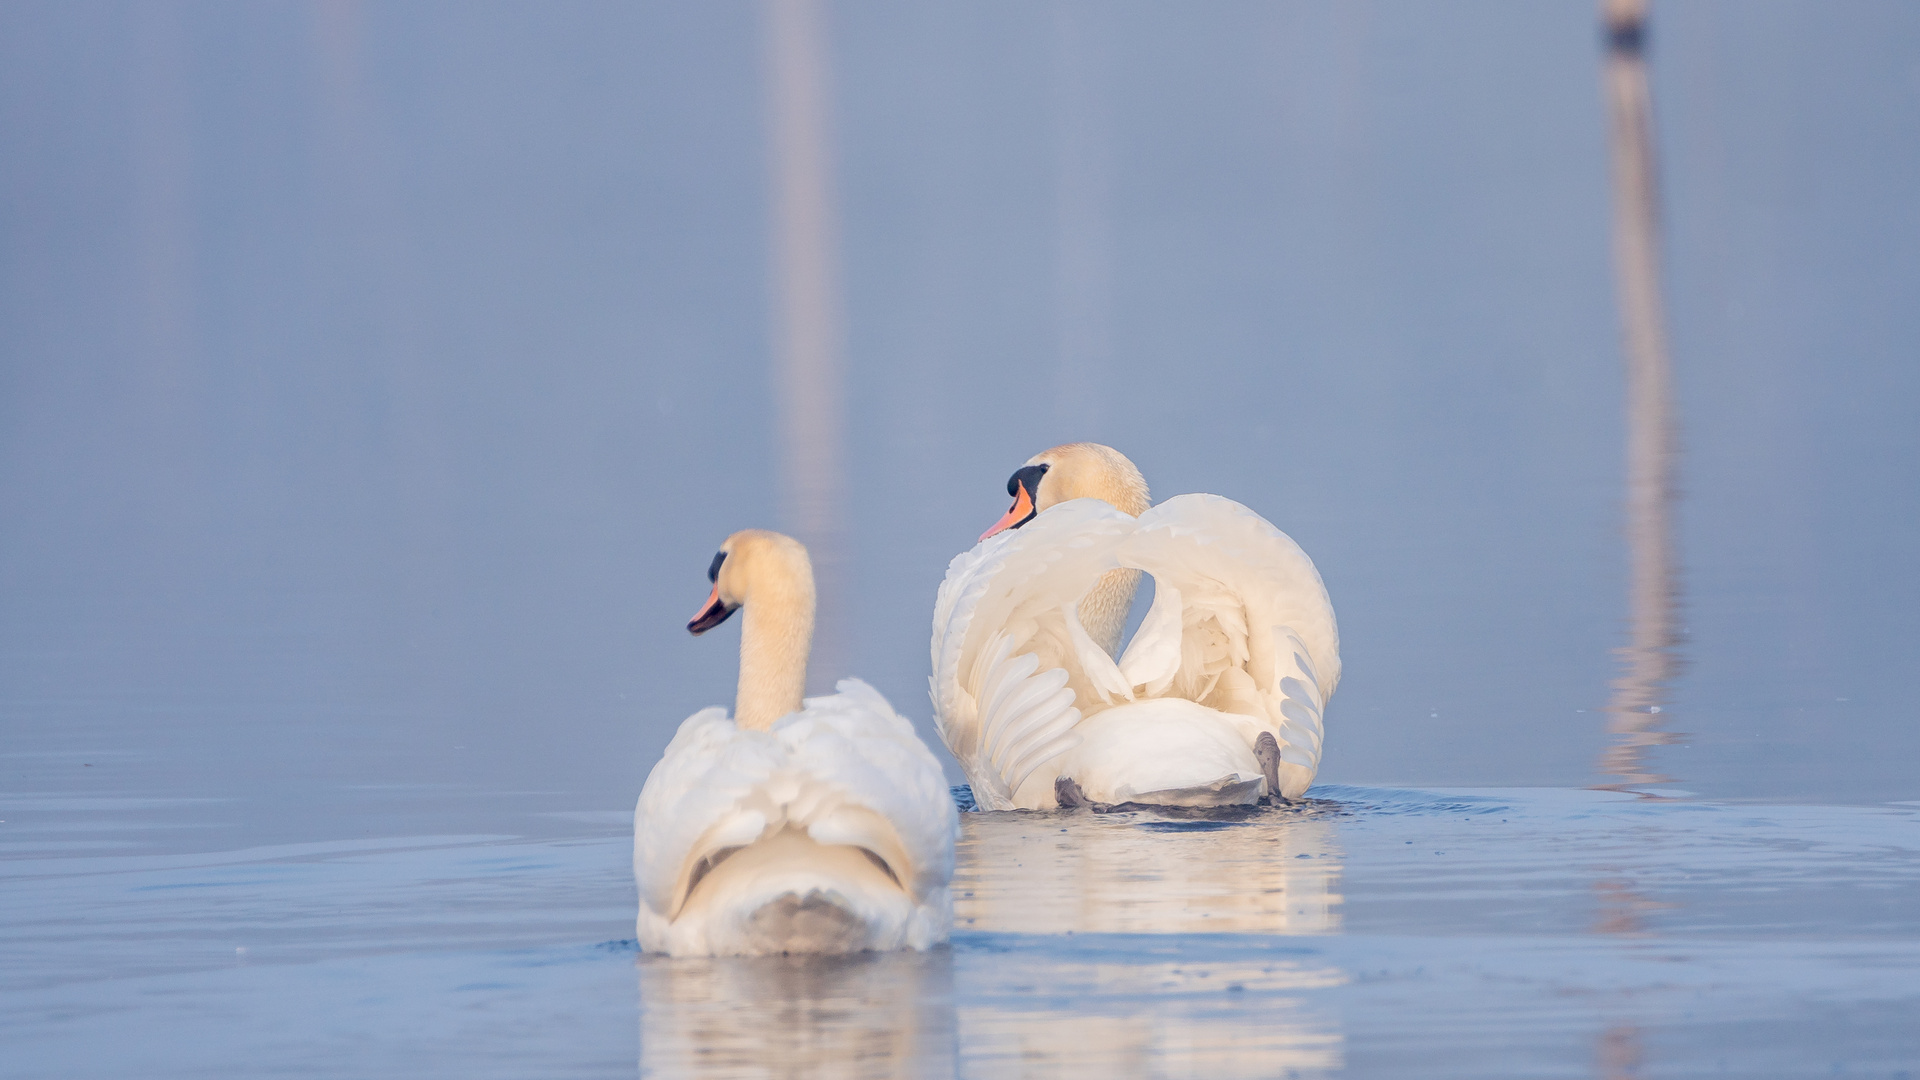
1024,486
1030,476
715,611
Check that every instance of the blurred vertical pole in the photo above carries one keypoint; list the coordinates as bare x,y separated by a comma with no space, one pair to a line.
1648,661
809,367
1083,271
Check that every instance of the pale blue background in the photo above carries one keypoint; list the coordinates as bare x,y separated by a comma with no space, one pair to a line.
375,386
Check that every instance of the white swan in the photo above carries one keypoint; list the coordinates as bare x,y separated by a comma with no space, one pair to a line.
816,826
1219,698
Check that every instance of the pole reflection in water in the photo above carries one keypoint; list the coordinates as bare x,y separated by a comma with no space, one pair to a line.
1649,661
1084,208
873,1015
809,367
1129,944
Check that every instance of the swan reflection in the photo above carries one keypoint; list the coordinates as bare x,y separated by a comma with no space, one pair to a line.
1143,944
1214,1016
870,1015
1264,872
1111,945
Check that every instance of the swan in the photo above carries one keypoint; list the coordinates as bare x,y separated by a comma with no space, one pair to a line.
1217,701
816,826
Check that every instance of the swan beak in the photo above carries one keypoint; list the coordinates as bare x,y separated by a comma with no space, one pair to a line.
712,614
1016,517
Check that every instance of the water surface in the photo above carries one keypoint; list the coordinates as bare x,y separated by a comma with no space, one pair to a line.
1473,932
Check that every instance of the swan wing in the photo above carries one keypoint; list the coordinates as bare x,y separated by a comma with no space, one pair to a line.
1152,658
846,768
1010,659
699,798
871,783
1256,636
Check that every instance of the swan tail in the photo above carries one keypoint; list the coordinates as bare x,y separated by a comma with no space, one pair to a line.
838,808
1164,752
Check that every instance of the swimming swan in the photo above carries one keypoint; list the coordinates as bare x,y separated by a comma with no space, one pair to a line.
822,826
1219,698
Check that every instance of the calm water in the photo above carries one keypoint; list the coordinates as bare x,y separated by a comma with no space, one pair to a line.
1475,932
377,379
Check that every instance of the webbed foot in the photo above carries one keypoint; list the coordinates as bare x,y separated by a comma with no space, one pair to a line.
1266,748
1067,792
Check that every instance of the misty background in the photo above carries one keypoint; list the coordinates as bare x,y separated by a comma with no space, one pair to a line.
376,381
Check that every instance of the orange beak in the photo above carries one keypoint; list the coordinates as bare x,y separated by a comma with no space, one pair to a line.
1022,510
710,615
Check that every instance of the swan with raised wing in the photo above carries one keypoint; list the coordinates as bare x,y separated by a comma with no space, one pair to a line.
1219,698
816,826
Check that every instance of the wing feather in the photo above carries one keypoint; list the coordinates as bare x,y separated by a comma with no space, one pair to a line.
698,797
875,784
1152,658
1260,639
1240,623
1002,654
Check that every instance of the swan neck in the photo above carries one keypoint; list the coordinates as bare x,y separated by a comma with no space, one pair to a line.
775,639
1103,611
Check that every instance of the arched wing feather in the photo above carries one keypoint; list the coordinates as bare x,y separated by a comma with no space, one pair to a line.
1007,671
1256,635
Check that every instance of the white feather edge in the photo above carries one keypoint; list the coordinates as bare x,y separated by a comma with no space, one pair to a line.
846,767
1217,545
1207,540
1000,715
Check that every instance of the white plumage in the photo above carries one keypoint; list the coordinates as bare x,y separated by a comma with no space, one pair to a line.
838,810
1240,642
821,826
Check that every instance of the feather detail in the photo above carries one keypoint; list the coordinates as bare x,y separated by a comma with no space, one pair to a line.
1240,628
1152,658
845,771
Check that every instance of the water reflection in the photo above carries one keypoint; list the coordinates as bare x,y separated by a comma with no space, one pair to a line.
1649,661
1621,1052
1206,1014
1083,268
1271,872
869,1016
809,355
1111,945
1138,944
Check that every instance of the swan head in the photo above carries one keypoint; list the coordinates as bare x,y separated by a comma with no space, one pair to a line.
754,564
1073,471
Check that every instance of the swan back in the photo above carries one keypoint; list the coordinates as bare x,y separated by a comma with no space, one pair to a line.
837,811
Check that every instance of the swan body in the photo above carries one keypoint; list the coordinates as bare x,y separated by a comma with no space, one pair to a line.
1219,698
824,827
